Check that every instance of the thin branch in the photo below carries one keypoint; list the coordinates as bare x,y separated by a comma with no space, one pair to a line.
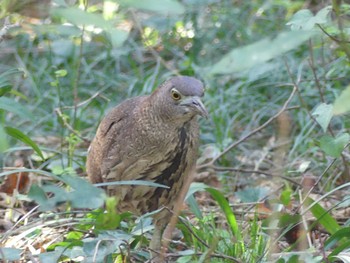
230,147
6,27
68,126
193,233
218,168
311,62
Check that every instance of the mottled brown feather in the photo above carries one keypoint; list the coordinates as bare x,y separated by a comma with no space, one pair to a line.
153,138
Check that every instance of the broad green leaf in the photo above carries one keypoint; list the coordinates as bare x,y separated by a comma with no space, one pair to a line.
243,58
37,194
252,194
84,195
79,17
13,106
164,7
323,216
341,104
11,254
17,134
323,115
305,20
52,256
81,193
225,206
300,19
117,36
334,146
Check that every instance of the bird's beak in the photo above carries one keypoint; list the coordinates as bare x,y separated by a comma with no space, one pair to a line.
196,103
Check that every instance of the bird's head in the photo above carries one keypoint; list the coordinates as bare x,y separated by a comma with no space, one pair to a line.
179,98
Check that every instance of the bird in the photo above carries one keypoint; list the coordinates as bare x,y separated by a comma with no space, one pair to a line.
152,138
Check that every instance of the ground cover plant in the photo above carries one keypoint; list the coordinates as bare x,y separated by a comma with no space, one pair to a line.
272,178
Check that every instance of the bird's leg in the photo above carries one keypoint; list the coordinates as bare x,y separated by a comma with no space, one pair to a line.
156,240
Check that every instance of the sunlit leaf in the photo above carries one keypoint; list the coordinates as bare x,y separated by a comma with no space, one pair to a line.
243,58
78,17
323,216
323,115
164,7
341,104
334,146
17,134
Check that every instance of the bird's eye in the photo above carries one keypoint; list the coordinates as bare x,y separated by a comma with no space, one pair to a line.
175,94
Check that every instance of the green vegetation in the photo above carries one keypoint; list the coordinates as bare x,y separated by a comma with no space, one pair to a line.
272,181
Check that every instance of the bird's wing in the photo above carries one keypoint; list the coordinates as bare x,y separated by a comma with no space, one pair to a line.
108,148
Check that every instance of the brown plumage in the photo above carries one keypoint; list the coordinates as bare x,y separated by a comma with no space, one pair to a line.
153,138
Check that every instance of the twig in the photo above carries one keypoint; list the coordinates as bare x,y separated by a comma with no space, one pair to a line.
85,101
219,168
317,182
77,69
330,36
296,86
6,27
311,62
69,127
230,147
193,233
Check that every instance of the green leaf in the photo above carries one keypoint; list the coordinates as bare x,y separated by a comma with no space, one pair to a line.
341,104
37,194
231,219
4,89
195,187
341,236
79,17
85,195
305,20
246,57
3,140
11,105
286,196
11,254
323,115
17,134
252,194
334,146
323,217
117,36
164,7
